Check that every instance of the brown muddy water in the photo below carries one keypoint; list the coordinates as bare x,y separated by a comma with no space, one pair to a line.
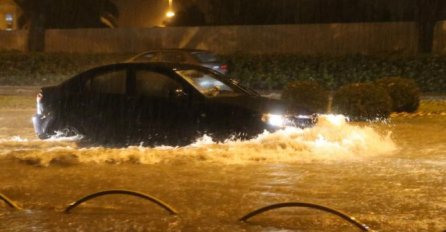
390,176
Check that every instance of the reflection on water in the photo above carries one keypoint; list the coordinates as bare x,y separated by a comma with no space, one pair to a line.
390,176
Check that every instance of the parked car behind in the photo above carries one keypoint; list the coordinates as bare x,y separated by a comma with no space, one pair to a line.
187,56
157,103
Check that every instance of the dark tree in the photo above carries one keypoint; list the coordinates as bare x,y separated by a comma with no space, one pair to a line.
33,17
427,13
229,12
38,15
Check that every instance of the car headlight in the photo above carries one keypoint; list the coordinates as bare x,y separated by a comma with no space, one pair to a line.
277,120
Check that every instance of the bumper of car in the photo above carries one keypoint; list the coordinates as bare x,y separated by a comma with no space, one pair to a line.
40,123
303,121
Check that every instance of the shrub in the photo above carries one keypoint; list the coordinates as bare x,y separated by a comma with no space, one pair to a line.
274,71
18,68
307,97
362,101
404,92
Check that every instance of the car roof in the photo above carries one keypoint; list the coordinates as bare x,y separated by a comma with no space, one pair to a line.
162,65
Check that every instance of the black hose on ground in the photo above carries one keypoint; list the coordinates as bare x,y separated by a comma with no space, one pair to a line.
351,220
120,191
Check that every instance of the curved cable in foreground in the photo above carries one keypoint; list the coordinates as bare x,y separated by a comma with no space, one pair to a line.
351,220
123,192
9,202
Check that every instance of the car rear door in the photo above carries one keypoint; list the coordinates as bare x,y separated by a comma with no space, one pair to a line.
104,103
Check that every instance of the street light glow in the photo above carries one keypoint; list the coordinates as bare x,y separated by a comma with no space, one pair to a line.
170,14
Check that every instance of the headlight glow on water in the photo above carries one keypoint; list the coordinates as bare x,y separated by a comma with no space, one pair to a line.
274,119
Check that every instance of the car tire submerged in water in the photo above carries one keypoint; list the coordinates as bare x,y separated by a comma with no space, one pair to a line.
68,131
60,133
223,135
54,128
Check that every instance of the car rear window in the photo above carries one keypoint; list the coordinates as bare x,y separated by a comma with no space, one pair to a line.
113,82
205,57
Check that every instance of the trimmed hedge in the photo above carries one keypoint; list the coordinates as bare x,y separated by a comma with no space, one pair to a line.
257,71
404,92
307,97
274,71
362,101
48,68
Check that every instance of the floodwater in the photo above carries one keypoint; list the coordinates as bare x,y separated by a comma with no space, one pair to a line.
390,176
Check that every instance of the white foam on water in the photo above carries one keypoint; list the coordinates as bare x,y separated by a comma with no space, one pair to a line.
331,139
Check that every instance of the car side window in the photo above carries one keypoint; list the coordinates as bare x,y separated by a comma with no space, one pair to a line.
113,82
153,84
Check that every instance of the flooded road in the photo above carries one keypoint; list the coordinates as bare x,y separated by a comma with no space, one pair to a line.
390,176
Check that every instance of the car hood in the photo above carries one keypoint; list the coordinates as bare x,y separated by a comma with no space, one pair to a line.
253,103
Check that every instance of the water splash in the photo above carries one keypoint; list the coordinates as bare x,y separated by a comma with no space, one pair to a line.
331,139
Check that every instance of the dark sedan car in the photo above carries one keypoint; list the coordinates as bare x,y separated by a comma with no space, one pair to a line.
156,103
186,56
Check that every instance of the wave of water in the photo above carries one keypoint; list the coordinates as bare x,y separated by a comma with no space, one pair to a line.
332,138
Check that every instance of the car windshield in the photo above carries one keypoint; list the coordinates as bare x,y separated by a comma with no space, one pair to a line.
208,83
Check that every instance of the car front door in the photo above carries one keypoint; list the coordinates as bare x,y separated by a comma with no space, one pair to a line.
161,107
